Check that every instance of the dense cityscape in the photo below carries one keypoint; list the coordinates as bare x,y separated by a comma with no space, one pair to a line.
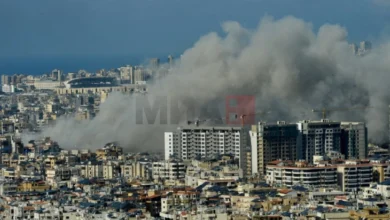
194,110
310,169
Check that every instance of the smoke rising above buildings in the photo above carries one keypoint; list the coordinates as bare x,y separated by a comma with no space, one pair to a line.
288,67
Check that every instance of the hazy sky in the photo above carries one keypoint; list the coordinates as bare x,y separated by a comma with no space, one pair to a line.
33,28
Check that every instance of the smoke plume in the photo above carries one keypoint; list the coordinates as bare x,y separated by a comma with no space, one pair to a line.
288,67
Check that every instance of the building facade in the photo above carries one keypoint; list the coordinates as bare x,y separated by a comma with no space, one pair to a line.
354,175
282,174
169,169
354,143
318,138
271,142
135,170
191,142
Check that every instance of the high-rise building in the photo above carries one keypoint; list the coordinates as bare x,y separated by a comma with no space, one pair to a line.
139,75
19,78
154,62
56,74
127,74
170,60
354,48
318,138
192,142
271,142
354,143
14,79
80,100
365,45
5,79
354,175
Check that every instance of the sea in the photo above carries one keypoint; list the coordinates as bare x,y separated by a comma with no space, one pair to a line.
40,65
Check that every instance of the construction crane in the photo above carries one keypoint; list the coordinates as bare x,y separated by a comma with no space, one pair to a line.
196,122
326,111
242,117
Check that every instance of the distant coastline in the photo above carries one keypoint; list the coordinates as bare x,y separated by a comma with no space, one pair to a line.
40,65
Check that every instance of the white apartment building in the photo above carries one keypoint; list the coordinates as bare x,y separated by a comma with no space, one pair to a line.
285,174
192,141
91,170
169,169
8,88
382,188
354,175
20,212
271,142
318,138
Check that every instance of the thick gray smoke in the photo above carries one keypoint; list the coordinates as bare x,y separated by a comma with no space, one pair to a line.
289,68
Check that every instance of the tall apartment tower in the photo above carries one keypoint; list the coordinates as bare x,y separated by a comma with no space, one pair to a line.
318,138
203,141
127,74
154,62
5,79
354,143
354,48
365,45
56,74
139,75
170,60
271,142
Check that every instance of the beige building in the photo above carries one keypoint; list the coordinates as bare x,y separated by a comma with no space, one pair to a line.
82,115
281,173
91,170
139,75
47,84
135,170
354,175
110,170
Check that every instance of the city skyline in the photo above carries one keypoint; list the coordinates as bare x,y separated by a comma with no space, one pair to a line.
103,35
173,109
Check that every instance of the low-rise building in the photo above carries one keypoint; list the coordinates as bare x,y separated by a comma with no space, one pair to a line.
169,169
135,170
61,174
353,175
288,174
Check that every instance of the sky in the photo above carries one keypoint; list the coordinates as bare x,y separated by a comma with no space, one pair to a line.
43,29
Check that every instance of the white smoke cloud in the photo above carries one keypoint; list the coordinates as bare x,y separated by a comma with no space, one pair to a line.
289,68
